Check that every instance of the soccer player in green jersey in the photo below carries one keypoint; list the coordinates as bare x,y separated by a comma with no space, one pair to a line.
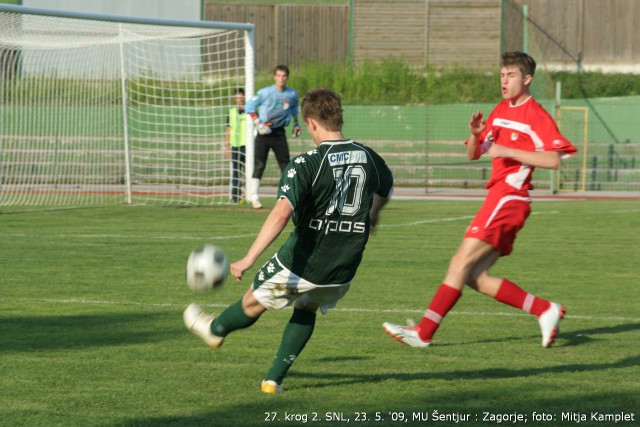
334,194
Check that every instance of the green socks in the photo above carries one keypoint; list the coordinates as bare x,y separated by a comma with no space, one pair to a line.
232,319
295,337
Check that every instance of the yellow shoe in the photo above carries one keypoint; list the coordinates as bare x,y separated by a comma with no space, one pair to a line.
271,387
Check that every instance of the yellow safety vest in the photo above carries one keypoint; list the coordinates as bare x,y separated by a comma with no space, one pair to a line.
238,124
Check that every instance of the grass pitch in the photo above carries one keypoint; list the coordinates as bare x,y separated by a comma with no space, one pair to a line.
91,305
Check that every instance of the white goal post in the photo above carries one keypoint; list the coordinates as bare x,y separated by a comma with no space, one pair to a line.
104,109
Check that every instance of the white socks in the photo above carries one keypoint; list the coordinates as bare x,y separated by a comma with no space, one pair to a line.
255,187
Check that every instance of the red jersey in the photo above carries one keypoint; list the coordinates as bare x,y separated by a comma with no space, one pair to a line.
526,127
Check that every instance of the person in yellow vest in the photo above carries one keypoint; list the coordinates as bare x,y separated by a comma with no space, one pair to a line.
235,142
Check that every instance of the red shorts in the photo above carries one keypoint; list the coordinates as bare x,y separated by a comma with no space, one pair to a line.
499,220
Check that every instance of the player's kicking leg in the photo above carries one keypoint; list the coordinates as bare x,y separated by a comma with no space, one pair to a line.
212,330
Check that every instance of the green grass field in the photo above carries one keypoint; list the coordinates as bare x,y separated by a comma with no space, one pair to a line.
91,305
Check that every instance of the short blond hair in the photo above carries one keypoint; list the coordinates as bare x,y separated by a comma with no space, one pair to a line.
324,106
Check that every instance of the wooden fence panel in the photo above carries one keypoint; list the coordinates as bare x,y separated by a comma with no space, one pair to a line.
441,33
464,32
290,34
604,33
383,28
437,33
317,33
611,31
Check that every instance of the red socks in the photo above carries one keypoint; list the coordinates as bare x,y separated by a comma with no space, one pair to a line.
444,299
511,294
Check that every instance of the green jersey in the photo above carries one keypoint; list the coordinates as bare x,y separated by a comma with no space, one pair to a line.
331,190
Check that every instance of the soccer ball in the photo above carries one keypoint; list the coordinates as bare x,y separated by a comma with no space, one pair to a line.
207,268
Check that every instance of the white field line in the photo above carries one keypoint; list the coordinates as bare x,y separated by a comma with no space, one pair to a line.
363,310
183,237
127,236
426,221
458,218
337,309
627,211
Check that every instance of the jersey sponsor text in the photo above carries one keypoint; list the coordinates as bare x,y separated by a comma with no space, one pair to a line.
347,158
332,226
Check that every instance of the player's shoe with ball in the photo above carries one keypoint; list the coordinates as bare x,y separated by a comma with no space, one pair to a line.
549,323
270,387
199,322
405,334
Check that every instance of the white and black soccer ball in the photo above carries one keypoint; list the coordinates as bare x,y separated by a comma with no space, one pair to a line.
207,268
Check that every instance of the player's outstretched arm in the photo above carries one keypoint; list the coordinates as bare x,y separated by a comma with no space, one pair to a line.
540,159
271,229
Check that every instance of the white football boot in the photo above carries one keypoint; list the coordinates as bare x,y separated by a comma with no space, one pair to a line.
405,334
549,323
199,322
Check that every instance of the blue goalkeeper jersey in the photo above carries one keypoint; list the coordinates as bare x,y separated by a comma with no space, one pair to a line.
331,191
273,106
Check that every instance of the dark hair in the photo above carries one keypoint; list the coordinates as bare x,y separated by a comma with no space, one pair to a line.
324,106
281,68
524,62
240,91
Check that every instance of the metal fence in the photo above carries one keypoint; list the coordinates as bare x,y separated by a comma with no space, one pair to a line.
422,142
424,145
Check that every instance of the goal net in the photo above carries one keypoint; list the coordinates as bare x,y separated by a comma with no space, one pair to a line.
108,110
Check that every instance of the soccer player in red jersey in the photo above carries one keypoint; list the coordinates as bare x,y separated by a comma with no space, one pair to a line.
519,135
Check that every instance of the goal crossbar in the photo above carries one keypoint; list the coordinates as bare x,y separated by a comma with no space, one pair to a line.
126,19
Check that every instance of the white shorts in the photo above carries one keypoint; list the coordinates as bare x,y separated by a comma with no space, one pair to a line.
276,287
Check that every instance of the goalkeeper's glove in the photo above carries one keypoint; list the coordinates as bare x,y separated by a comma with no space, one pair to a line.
263,128
296,130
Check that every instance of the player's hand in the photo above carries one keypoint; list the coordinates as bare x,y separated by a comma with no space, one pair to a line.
238,268
263,129
296,131
477,123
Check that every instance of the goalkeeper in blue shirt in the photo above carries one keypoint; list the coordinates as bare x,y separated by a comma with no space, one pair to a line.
271,110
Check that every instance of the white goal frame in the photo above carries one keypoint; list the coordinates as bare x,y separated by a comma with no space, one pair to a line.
105,109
